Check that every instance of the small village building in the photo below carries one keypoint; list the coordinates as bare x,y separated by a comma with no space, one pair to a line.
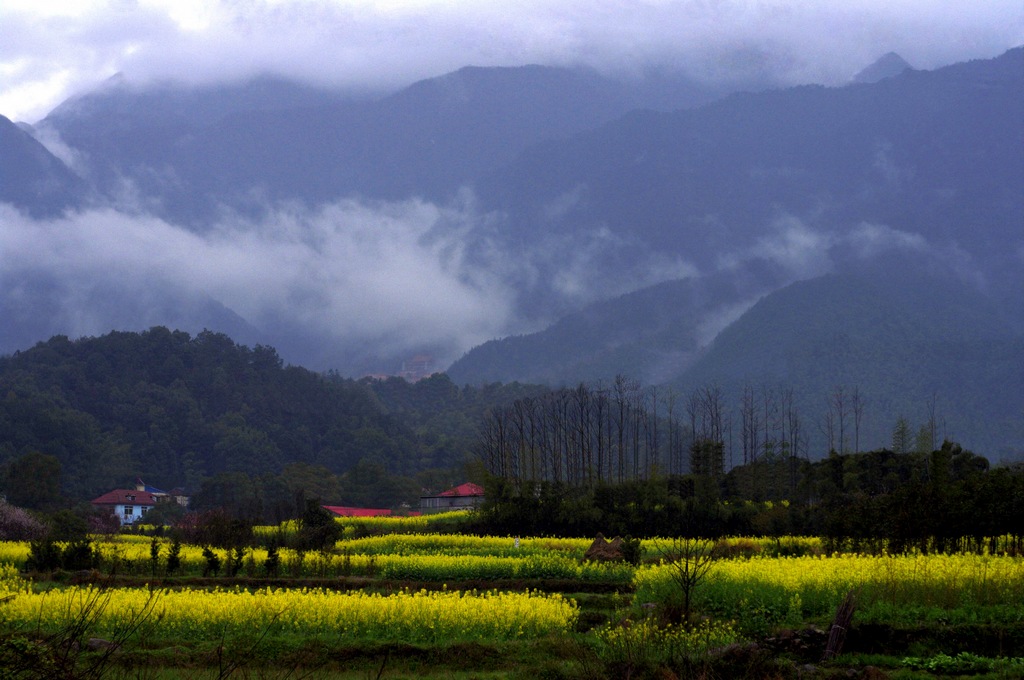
462,497
128,505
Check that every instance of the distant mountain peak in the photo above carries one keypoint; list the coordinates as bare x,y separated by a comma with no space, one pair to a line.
886,66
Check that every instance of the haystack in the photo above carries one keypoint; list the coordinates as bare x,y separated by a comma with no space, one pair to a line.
604,550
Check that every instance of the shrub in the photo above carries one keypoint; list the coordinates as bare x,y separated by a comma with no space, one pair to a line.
174,557
79,555
632,550
273,562
236,557
212,562
47,555
43,555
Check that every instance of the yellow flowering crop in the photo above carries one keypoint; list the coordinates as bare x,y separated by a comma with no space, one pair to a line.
772,590
383,524
644,639
462,544
193,615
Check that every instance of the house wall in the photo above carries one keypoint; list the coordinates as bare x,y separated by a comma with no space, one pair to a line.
454,502
129,513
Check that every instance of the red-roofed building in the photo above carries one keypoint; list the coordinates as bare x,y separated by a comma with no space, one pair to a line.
462,497
127,505
342,511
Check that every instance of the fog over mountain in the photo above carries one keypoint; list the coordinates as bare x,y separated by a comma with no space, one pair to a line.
53,50
578,203
352,233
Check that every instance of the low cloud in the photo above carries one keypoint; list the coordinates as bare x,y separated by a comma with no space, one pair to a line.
600,264
798,249
348,273
330,285
791,244
49,51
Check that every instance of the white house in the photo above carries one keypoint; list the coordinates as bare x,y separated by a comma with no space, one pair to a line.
128,505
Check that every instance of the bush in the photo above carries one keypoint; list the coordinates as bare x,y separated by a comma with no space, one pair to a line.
632,550
273,562
67,525
236,557
43,555
46,555
319,530
79,555
174,557
212,562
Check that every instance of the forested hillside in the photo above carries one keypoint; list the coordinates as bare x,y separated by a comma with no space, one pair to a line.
93,414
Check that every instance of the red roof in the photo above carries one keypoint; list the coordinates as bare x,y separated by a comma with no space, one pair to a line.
357,512
467,489
126,497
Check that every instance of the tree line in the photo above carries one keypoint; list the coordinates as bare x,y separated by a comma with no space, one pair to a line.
879,500
632,460
624,431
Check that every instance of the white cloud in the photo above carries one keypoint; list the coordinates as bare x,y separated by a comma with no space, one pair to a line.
369,278
799,249
52,49
868,240
347,273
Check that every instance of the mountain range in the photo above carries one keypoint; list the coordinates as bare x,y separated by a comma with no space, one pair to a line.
870,235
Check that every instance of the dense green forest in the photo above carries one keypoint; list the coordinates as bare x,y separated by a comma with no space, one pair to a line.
78,418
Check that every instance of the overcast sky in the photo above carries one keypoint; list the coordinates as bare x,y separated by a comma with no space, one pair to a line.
51,49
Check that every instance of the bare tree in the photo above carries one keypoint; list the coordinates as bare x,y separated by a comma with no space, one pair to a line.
838,405
771,421
707,449
670,405
932,421
689,561
828,428
600,416
901,436
791,434
857,406
749,424
621,391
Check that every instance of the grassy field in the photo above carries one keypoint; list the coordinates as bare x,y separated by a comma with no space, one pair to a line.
409,603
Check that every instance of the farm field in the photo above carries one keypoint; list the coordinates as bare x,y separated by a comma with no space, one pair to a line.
406,603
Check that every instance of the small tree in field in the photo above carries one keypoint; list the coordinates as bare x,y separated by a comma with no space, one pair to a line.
174,557
688,560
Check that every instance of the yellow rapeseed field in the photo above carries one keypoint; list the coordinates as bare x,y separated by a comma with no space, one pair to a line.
773,590
195,615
